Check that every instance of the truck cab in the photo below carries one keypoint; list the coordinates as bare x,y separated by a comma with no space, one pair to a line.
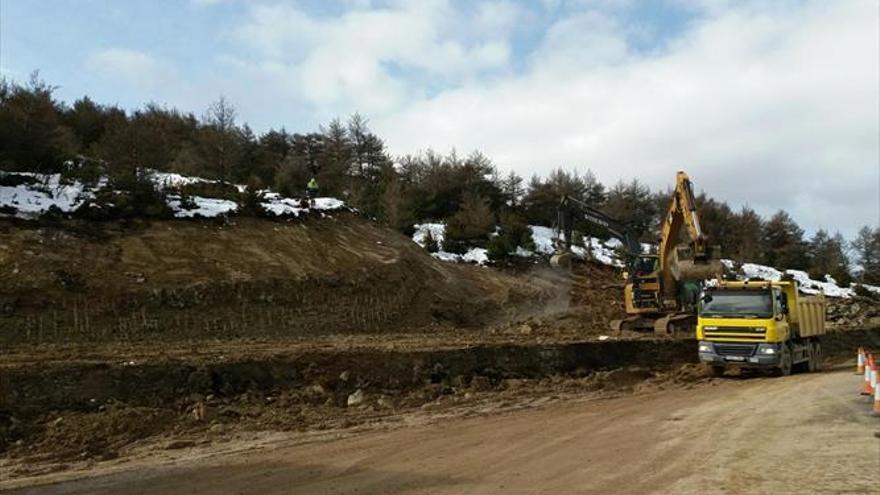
759,324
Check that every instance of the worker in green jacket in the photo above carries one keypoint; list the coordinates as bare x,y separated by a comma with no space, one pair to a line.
312,191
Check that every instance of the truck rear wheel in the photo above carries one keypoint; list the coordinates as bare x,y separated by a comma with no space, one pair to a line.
811,357
817,357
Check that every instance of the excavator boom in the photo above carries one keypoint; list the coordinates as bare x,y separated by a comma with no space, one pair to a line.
694,261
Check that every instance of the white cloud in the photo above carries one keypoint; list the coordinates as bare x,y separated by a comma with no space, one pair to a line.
776,108
134,68
770,104
352,61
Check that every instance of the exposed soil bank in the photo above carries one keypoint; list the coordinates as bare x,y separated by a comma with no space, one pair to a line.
94,410
176,280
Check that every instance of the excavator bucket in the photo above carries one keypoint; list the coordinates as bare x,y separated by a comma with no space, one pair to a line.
686,266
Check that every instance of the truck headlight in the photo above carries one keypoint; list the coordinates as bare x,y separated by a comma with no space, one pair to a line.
704,347
767,350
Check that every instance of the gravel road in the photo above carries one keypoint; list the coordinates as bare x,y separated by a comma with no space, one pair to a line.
800,434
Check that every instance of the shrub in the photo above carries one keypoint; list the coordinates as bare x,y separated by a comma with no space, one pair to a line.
431,243
512,233
471,226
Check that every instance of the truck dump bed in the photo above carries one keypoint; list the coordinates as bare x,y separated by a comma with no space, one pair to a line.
810,316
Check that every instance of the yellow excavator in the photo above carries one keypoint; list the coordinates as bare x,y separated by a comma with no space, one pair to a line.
661,290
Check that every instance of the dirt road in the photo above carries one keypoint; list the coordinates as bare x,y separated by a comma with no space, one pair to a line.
801,434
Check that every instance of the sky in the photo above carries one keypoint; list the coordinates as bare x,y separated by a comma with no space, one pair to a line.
773,104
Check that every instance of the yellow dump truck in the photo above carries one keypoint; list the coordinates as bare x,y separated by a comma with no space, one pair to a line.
760,324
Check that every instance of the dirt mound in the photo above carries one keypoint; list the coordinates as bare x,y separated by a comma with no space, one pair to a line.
88,281
861,311
588,299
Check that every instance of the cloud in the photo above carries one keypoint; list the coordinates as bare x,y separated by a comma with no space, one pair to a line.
776,108
133,68
774,104
377,59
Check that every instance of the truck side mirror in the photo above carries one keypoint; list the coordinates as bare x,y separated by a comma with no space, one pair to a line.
783,306
707,298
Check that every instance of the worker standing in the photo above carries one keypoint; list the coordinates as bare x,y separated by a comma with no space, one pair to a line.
312,191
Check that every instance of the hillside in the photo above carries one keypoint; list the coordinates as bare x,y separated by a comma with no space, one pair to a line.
172,279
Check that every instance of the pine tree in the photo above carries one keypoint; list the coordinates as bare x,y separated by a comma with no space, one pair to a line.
396,211
221,142
32,134
633,204
866,247
783,242
746,230
513,232
470,226
828,257
512,190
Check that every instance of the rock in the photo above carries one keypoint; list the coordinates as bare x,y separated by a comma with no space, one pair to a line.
356,398
525,329
345,375
316,389
179,444
199,411
385,402
480,382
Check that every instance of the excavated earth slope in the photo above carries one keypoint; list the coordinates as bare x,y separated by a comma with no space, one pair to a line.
172,280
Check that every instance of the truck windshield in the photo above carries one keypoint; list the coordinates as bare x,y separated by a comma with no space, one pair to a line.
737,304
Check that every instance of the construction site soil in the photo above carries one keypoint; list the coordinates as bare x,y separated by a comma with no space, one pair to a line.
123,341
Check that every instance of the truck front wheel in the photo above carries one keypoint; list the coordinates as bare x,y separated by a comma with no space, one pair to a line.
714,370
784,368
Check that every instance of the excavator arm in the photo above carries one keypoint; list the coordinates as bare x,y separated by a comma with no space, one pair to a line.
569,207
694,261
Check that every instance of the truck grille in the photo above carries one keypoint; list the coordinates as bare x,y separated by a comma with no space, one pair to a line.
744,350
736,332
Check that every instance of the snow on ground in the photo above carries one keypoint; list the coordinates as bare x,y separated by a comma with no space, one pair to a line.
437,230
278,205
476,255
807,285
543,238
204,207
33,200
605,252
170,180
601,251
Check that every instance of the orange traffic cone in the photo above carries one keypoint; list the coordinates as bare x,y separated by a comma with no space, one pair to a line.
873,379
860,361
876,401
866,383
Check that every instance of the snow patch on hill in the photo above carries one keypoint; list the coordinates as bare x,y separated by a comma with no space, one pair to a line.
35,194
438,230
204,207
543,238
807,285
607,253
42,192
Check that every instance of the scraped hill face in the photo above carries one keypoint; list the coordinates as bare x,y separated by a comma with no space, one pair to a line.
173,280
